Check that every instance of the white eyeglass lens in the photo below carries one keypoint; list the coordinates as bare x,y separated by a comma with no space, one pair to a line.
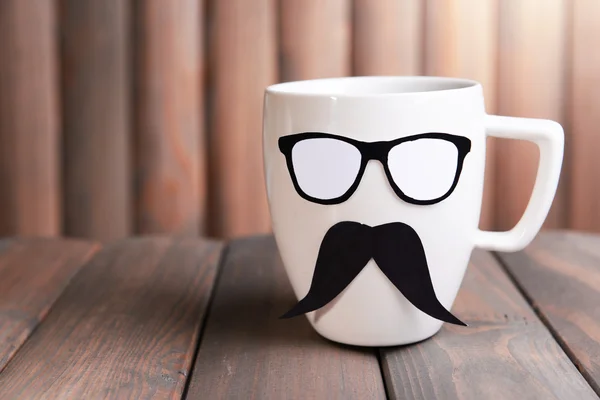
424,169
325,168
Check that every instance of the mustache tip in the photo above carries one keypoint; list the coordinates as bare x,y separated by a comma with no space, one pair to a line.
455,321
300,308
288,315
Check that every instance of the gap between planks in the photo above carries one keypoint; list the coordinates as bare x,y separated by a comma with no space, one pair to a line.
379,355
207,314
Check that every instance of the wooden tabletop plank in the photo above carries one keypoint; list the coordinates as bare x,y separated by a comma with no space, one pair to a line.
248,353
33,273
126,326
505,352
560,274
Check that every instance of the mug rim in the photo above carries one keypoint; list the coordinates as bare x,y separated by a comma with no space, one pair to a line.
372,86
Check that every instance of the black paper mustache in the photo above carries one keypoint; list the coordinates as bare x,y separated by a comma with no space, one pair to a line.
346,249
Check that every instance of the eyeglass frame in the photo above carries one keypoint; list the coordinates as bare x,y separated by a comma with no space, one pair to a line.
373,151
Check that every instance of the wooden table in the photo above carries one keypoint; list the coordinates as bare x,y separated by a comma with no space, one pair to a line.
171,318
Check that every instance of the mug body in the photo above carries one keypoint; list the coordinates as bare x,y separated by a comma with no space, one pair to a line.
370,311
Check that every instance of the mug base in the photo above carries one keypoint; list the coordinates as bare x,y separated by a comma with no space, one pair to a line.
400,340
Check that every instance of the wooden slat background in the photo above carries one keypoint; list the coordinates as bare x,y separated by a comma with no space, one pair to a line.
30,195
242,60
531,73
96,118
145,116
388,37
583,106
168,117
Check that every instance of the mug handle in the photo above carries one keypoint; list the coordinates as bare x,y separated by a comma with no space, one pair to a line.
549,137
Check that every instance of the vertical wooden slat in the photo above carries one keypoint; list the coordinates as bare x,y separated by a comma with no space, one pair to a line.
531,78
584,116
96,115
315,38
388,37
29,119
242,62
168,120
461,41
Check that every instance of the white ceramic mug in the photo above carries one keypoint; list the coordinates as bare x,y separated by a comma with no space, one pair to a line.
424,176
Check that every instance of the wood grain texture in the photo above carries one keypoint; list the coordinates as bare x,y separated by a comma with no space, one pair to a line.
387,37
505,353
242,57
560,274
96,116
170,169
584,116
531,83
461,41
314,39
247,352
126,327
29,119
33,273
